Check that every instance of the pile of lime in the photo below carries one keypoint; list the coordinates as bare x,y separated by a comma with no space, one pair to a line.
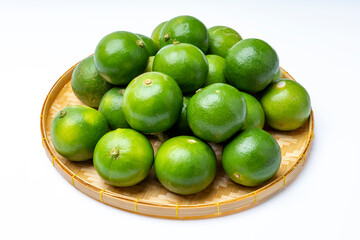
187,85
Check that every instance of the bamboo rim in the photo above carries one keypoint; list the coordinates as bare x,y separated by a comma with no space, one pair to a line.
215,209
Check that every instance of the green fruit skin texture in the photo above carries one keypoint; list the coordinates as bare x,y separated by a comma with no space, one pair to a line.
221,39
216,70
252,157
185,63
87,84
155,107
181,127
286,104
150,45
76,133
149,66
185,29
119,58
133,162
111,108
251,65
255,116
185,165
156,33
216,112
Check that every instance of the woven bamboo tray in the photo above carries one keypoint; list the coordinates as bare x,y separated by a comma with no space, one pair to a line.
149,197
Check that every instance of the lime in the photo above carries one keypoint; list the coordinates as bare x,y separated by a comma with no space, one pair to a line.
181,127
286,104
156,33
87,84
75,131
277,75
123,157
183,62
111,108
150,64
152,102
251,65
221,39
185,165
216,70
255,116
121,56
185,29
150,44
216,112
252,157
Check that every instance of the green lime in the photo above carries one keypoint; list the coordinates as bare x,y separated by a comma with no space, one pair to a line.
251,65
152,102
185,165
185,29
216,112
150,44
111,108
255,116
181,127
156,33
75,131
87,84
252,157
277,75
150,64
121,56
183,62
286,104
221,39
216,70
123,157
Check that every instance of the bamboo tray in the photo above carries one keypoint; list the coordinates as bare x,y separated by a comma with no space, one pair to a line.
149,197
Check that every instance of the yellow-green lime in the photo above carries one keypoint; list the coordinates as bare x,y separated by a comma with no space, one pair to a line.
185,165
152,102
111,108
251,65
216,70
183,62
75,131
149,44
216,112
87,84
286,104
252,157
221,39
123,157
121,56
185,29
255,116
156,33
150,64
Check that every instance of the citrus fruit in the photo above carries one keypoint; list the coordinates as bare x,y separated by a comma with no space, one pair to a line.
216,112
149,44
156,33
252,157
111,108
183,62
185,29
152,102
185,165
286,104
255,116
221,39
87,84
251,65
123,157
121,56
150,64
75,131
181,127
216,70
277,75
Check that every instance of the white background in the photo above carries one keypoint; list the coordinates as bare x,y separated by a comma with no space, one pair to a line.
318,44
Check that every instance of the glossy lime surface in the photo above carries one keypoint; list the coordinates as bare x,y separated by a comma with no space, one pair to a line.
149,44
156,33
255,116
221,39
216,70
